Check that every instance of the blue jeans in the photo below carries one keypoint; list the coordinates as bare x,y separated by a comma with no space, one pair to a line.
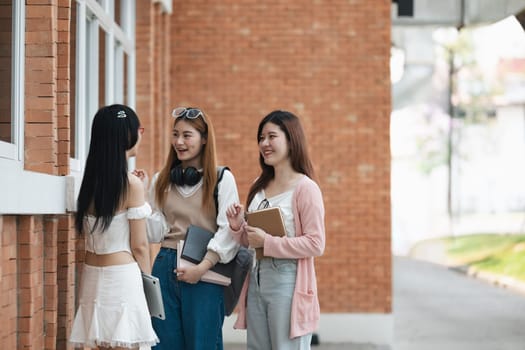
194,312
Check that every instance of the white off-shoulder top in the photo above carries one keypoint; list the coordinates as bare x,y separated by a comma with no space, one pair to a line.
116,238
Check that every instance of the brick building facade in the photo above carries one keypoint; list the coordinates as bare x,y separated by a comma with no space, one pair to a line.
326,61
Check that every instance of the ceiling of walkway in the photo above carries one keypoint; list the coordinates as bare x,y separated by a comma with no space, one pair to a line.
414,23
455,13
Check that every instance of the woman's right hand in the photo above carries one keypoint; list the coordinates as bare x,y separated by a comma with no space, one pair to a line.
143,176
235,215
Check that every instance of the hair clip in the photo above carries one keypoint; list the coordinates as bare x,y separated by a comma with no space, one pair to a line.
121,114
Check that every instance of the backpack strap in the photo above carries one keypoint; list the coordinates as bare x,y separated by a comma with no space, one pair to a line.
220,173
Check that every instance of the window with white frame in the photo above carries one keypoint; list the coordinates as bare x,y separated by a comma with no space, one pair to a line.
12,23
103,63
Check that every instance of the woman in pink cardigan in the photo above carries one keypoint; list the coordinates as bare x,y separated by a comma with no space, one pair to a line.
279,306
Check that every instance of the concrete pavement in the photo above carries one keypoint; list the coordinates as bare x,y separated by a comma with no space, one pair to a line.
440,308
346,346
437,308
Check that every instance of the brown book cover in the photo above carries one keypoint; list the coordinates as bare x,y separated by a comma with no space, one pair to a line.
269,220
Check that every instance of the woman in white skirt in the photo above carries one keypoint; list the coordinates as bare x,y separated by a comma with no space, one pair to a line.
111,212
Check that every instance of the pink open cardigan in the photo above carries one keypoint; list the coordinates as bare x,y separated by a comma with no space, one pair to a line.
309,241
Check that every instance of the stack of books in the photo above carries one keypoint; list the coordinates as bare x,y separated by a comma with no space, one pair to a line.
191,251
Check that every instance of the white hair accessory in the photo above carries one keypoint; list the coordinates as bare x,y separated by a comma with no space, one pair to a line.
121,114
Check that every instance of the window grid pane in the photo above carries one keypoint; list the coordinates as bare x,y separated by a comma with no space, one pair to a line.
6,60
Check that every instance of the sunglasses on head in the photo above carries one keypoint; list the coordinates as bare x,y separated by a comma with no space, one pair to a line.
188,113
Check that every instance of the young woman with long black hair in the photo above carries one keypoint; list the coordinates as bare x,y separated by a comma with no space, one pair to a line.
111,212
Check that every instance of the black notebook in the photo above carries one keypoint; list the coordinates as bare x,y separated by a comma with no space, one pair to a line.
196,244
195,247
210,275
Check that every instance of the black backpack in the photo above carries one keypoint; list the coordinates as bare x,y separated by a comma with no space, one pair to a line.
220,173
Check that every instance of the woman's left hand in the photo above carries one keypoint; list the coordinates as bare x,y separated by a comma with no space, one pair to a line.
256,236
235,215
190,274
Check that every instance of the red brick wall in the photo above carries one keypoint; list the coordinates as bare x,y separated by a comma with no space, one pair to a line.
153,41
41,141
69,260
38,252
47,86
328,62
30,278
47,149
63,85
50,285
8,282
37,275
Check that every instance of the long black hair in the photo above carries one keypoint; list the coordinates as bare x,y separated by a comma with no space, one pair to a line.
299,159
105,182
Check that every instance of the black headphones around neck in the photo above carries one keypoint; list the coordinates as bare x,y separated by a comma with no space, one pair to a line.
189,176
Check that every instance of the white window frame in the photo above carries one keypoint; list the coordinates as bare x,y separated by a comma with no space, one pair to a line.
24,192
15,150
166,5
27,192
119,41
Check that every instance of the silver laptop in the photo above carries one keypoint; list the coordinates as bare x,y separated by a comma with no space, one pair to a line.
153,296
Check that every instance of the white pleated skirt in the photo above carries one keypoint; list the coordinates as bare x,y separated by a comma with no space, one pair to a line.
112,309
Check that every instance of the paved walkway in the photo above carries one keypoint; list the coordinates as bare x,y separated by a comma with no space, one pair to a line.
435,251
437,308
346,346
440,308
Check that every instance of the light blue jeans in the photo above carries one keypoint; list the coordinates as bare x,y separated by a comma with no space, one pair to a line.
272,282
194,312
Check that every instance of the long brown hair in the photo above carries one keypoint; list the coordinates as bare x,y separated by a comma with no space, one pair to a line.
298,151
204,126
